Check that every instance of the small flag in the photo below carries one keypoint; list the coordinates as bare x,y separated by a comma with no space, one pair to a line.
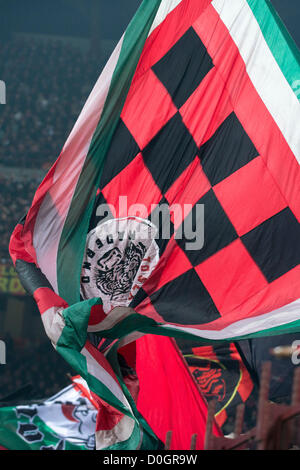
66,421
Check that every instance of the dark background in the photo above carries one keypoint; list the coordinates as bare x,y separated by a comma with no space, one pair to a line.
71,17
67,17
48,81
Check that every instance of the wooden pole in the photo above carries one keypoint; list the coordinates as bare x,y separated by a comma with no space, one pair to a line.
262,416
296,402
194,441
209,436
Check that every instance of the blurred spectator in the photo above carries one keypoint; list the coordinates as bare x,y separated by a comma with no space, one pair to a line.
47,84
15,200
40,366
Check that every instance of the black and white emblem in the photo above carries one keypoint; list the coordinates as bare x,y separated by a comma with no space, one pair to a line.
120,256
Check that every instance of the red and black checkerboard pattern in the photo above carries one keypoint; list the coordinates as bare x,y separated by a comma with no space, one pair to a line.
179,141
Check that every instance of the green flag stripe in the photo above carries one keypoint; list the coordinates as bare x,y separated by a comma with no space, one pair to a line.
148,326
72,341
10,439
70,345
279,41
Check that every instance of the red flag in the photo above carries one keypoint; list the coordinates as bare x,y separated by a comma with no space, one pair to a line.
169,399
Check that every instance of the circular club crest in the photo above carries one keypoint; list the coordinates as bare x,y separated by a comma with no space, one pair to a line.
120,255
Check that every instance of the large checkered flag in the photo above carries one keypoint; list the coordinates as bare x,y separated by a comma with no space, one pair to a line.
174,206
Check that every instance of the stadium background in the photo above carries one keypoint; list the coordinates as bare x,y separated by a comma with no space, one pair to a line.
51,54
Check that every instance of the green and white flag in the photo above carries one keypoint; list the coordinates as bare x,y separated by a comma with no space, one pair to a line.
66,421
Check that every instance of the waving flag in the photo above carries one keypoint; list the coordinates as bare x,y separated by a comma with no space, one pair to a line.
221,375
173,208
66,421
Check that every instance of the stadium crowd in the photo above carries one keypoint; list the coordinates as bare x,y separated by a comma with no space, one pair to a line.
36,369
47,83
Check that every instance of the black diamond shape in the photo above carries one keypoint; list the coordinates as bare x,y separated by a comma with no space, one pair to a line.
170,153
122,151
183,68
218,230
160,217
185,300
275,244
228,150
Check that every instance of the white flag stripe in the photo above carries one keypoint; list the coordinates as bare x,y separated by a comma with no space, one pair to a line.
79,380
262,68
46,236
95,369
115,316
165,8
287,314
54,323
67,394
